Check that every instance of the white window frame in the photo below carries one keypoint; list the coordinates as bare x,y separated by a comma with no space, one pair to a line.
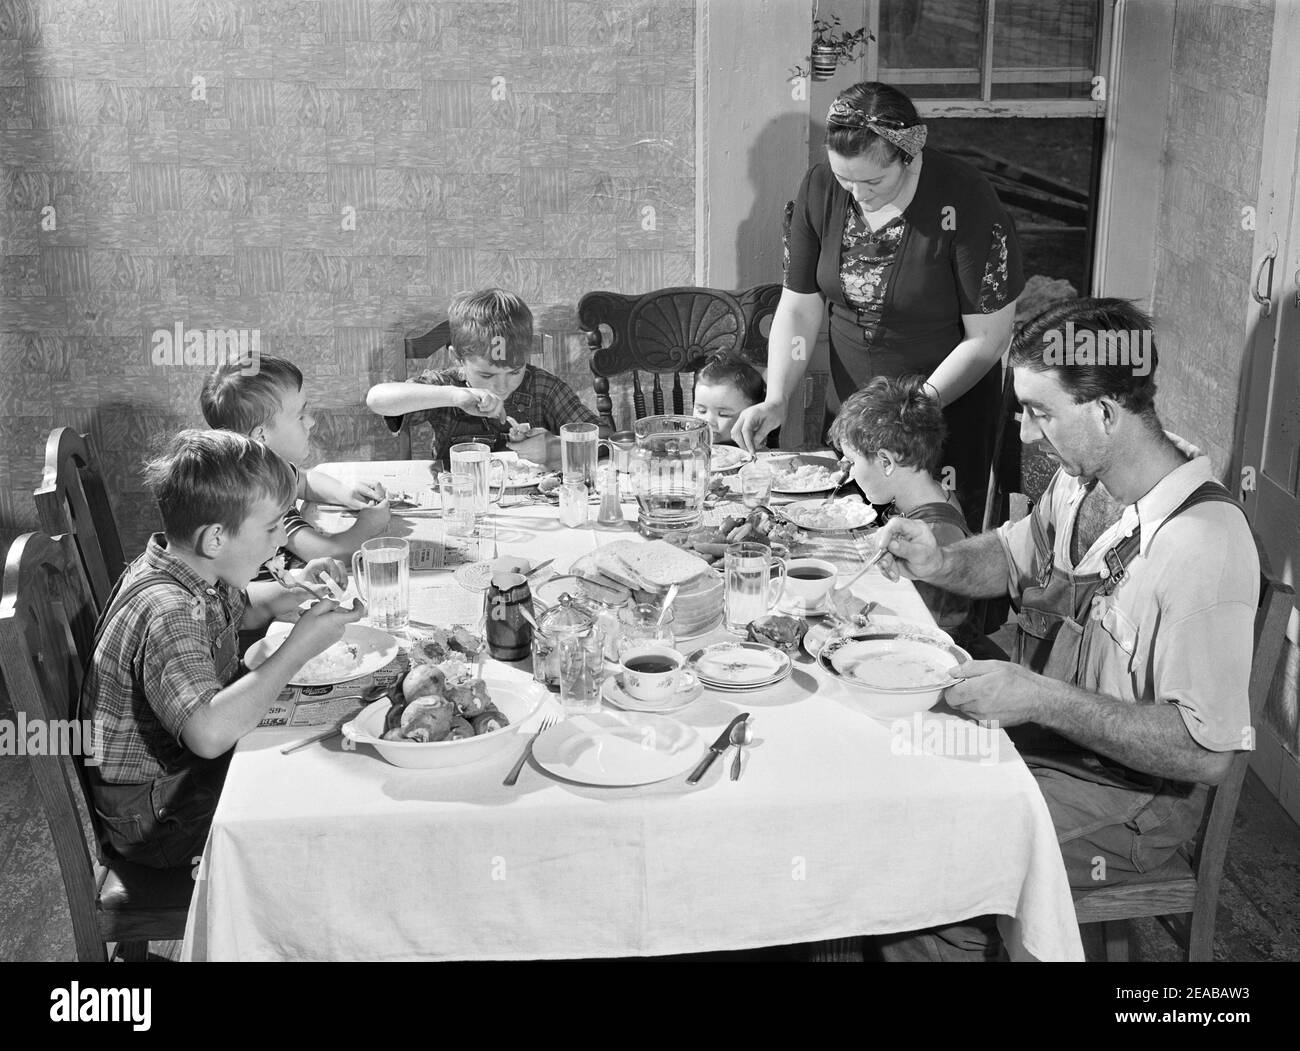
913,80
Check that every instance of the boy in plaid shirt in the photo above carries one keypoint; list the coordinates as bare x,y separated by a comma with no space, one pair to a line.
164,677
493,395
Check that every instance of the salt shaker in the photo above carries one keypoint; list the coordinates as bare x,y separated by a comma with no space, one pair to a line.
508,610
573,504
611,509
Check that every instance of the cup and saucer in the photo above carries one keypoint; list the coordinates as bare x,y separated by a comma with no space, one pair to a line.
808,586
613,693
652,678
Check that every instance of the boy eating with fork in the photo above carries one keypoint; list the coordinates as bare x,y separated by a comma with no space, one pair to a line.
163,679
270,406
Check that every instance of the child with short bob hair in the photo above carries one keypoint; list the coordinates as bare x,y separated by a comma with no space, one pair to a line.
163,681
492,394
893,432
270,406
725,386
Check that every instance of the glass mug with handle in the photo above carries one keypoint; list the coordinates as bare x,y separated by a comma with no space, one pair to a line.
755,579
579,443
381,569
475,460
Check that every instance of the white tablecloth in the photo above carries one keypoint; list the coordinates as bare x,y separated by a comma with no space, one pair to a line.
839,826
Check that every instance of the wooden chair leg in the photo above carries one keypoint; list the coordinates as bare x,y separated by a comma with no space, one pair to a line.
1116,936
133,952
1200,937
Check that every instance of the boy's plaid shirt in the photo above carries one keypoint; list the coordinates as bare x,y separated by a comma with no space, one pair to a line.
542,400
158,661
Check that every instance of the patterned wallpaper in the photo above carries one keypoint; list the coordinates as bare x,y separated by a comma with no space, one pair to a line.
326,174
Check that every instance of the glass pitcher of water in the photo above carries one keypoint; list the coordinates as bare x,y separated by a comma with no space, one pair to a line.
670,472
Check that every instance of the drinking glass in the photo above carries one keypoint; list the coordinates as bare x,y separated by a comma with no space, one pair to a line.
582,670
751,588
457,503
382,571
756,484
475,460
573,504
579,443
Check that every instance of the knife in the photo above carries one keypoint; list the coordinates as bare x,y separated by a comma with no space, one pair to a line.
716,749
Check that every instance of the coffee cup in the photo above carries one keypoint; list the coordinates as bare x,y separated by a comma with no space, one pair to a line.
654,673
808,581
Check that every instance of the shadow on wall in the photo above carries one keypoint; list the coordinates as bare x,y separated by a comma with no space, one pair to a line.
774,173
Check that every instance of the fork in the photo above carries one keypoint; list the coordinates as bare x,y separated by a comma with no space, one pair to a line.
282,578
513,776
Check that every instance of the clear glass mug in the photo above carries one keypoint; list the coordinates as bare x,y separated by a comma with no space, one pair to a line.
752,587
475,460
382,572
579,443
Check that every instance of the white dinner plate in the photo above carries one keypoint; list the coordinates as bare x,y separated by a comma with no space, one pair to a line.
728,458
797,514
526,473
733,665
617,748
374,649
828,462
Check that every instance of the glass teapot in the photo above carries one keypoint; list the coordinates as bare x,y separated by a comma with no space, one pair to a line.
670,472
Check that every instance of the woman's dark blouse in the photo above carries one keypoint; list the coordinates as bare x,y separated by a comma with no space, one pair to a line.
956,253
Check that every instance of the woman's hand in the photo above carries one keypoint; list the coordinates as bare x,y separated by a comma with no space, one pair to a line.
754,424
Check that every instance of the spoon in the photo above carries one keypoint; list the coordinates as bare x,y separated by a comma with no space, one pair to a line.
668,601
741,735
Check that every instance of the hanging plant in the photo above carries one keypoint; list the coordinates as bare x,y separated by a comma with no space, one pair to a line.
832,46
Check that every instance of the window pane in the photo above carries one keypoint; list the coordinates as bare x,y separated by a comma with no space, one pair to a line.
1044,50
931,48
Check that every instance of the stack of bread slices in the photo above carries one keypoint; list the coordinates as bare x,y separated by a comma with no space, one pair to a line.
650,569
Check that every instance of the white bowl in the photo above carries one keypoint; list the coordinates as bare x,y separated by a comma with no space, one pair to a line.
880,699
512,691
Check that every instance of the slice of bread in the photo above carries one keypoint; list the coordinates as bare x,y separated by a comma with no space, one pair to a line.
661,565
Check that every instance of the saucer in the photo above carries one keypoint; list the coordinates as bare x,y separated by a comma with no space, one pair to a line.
792,609
612,691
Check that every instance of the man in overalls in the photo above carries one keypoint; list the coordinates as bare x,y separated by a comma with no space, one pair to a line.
1136,581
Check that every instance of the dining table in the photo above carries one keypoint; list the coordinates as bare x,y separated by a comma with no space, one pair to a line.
840,824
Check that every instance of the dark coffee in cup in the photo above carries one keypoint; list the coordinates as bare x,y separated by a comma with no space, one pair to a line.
809,573
651,664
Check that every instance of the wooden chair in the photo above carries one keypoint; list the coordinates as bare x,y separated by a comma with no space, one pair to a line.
671,330
1184,893
418,348
73,500
1004,465
47,624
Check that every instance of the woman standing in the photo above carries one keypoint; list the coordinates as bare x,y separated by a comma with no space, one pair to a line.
917,261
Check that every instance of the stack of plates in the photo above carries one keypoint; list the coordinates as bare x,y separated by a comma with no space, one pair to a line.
736,666
698,606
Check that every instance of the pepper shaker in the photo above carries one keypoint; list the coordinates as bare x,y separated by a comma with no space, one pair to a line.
611,508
